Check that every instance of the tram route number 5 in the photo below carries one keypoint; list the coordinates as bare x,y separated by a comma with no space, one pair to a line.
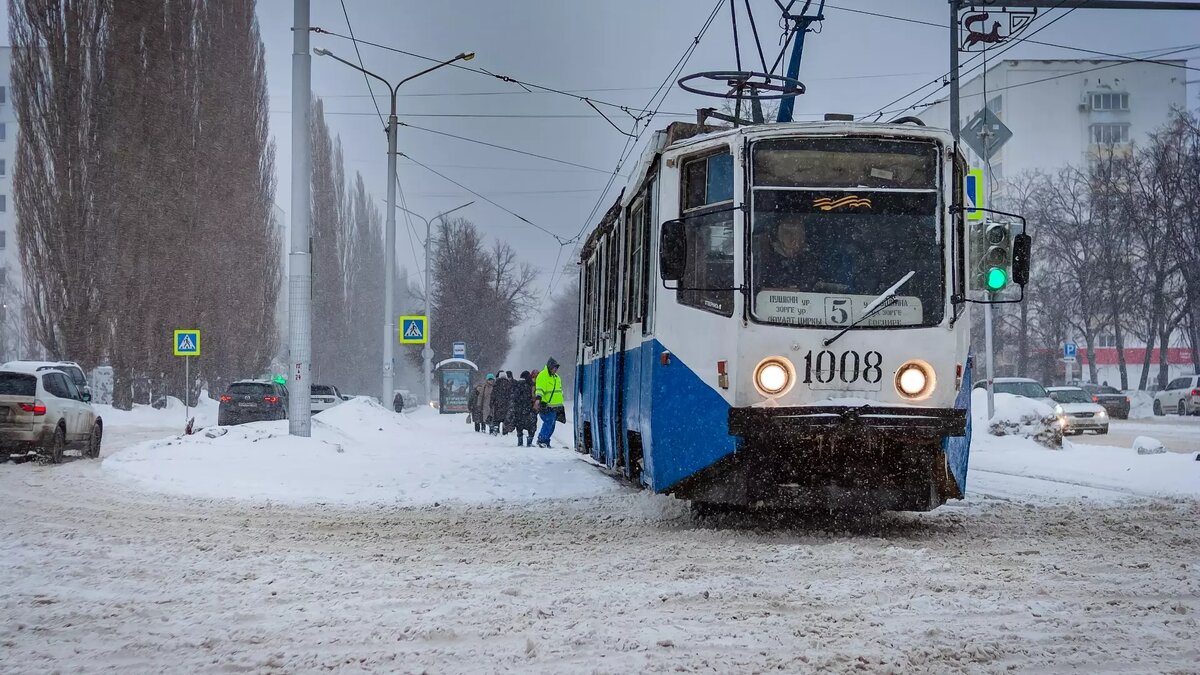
849,367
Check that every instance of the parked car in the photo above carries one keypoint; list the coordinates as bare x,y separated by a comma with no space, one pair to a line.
42,412
1113,400
1077,412
252,401
324,397
71,368
1182,396
1021,386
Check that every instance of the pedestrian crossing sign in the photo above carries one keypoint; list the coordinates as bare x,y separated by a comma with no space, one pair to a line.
412,330
974,192
187,342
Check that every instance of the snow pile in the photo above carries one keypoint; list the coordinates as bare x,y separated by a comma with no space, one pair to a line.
1145,445
204,412
1017,416
1141,404
359,453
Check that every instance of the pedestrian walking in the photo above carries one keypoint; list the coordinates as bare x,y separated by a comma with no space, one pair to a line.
548,399
475,406
485,402
524,418
495,405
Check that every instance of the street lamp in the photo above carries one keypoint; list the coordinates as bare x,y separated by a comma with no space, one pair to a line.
389,299
427,353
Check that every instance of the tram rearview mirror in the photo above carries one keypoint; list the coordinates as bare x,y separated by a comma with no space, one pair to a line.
1022,243
672,250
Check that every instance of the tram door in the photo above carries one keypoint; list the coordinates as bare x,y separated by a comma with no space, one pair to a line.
600,452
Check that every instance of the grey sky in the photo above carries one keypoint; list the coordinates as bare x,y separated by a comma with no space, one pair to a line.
855,64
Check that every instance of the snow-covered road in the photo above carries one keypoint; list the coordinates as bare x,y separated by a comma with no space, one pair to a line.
97,575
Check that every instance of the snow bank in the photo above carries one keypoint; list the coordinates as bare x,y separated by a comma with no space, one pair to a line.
1122,470
1017,416
359,453
204,412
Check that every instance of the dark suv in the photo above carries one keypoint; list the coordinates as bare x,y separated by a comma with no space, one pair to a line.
253,401
1115,402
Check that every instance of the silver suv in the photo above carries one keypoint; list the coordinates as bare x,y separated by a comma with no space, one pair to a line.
43,413
71,368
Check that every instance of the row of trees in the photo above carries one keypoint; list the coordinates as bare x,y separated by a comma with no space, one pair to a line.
1116,254
144,184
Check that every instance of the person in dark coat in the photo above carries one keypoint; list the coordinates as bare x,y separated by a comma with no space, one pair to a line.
477,402
497,403
523,417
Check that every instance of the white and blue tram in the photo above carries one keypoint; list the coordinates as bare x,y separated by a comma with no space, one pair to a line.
773,316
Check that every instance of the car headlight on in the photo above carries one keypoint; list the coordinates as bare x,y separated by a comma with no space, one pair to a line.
773,376
915,380
1102,413
1058,410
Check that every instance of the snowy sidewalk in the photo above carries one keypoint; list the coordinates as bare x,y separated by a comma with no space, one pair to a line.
359,454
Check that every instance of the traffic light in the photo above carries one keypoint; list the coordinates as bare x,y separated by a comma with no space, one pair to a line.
992,249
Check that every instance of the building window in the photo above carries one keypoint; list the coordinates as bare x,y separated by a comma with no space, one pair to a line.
1110,134
3,240
1110,101
3,94
3,131
3,203
3,167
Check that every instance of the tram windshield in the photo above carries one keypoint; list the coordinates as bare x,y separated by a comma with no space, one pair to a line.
835,222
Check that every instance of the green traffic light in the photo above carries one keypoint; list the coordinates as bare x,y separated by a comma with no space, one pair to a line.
997,278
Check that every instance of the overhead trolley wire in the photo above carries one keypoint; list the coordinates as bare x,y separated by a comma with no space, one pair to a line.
484,198
631,142
1032,42
481,71
942,78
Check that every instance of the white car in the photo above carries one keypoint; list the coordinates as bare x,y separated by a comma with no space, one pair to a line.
1021,386
324,397
1181,396
1077,412
43,413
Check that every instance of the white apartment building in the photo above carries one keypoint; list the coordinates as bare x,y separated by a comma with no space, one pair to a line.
1060,111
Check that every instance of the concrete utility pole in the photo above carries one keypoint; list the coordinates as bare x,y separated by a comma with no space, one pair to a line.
390,336
427,352
299,256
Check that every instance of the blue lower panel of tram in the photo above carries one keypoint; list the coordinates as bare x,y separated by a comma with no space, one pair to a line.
682,422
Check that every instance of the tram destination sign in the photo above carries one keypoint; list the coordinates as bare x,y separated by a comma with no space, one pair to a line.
820,309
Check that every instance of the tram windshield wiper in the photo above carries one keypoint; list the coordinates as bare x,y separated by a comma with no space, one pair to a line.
885,299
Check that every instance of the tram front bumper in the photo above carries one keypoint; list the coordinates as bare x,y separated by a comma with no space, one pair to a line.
802,421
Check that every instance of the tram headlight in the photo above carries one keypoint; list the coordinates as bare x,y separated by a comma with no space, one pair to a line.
774,376
915,380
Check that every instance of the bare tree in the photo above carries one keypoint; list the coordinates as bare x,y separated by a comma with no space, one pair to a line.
57,74
479,294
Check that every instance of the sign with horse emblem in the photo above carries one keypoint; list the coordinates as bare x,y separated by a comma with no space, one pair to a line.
985,29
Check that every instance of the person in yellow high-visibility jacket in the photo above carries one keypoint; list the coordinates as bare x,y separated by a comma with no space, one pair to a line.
548,400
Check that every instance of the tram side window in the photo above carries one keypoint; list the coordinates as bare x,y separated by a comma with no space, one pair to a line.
647,279
634,225
588,301
613,279
707,192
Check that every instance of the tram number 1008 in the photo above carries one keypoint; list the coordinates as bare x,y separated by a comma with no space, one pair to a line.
825,367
